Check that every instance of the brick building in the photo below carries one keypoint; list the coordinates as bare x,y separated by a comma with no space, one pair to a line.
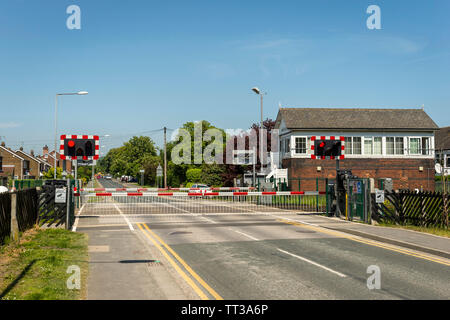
34,167
49,158
443,148
12,165
379,143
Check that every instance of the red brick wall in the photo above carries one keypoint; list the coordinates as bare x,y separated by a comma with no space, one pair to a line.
404,172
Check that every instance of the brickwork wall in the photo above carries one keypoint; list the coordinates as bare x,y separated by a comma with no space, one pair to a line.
404,172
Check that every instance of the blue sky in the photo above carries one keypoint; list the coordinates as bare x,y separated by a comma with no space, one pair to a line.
149,64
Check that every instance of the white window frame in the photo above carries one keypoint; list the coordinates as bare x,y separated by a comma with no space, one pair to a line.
295,145
419,151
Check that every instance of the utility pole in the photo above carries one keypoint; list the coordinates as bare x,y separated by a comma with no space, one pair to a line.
165,158
261,152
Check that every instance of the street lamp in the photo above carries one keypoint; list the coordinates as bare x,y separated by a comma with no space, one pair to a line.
261,94
79,93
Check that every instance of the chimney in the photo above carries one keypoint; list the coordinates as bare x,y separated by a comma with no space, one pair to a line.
3,144
45,150
21,148
32,153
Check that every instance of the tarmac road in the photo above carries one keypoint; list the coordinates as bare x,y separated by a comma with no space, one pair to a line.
249,256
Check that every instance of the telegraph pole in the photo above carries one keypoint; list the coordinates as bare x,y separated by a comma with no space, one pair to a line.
165,158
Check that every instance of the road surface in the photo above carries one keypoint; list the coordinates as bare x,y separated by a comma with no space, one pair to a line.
277,255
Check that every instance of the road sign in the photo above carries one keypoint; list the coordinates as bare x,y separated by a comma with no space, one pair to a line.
379,196
84,163
60,195
159,172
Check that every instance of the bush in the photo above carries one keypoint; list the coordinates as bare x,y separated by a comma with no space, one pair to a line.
194,175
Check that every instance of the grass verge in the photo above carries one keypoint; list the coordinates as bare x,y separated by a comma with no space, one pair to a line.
432,230
36,268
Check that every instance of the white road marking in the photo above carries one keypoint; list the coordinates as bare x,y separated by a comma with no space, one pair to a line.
74,227
313,263
244,234
125,217
301,221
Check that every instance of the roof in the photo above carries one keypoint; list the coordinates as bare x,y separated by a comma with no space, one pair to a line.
29,156
346,118
442,139
12,152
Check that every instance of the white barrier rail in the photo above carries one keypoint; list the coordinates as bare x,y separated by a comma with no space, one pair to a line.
141,203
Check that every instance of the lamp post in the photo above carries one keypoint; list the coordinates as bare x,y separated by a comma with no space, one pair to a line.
80,93
261,94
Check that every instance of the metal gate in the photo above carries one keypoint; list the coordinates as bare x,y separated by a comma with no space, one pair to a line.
56,203
357,199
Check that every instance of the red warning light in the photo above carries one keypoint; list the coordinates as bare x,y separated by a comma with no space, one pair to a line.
322,144
71,143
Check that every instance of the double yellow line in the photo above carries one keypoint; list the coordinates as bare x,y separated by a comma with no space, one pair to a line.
165,250
369,242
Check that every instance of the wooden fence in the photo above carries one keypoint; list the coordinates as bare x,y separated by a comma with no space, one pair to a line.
26,211
5,216
413,208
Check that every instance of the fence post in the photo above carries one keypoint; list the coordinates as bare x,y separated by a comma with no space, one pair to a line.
326,196
317,196
14,224
68,204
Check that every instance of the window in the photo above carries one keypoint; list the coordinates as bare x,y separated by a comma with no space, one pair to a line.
356,145
414,145
1,164
399,146
300,145
377,145
390,146
348,145
426,146
287,145
368,146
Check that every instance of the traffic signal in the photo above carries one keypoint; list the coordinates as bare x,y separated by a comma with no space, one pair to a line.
327,147
79,147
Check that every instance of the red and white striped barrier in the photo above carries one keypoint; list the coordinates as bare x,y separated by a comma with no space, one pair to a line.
199,194
166,189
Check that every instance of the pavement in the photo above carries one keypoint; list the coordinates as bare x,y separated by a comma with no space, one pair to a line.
266,255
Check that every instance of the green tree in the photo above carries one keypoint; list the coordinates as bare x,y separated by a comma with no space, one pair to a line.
194,175
213,175
134,155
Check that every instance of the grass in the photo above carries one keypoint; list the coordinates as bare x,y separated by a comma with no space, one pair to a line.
35,269
432,230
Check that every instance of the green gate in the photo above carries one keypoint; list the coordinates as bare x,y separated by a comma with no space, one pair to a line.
357,199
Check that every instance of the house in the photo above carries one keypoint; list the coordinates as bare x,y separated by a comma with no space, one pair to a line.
379,144
34,167
49,159
12,166
443,147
